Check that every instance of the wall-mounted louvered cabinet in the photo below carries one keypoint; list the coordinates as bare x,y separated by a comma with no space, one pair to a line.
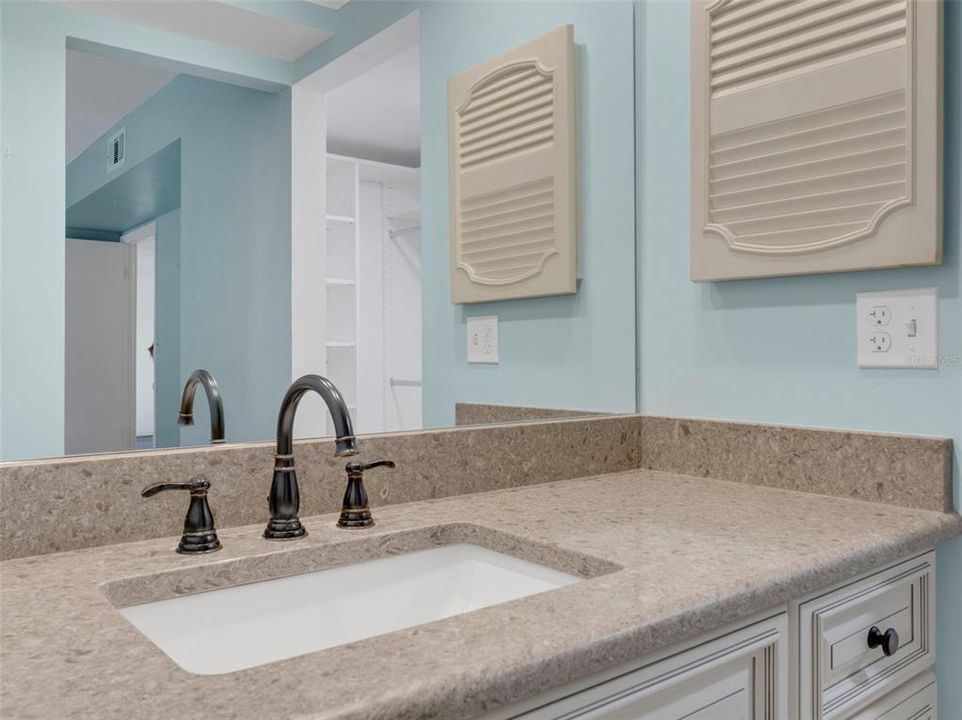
513,173
816,136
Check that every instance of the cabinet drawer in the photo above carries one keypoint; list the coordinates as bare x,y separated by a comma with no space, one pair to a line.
913,701
839,671
738,676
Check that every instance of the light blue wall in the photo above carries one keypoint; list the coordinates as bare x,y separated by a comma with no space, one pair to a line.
168,376
33,43
574,351
129,197
233,251
783,350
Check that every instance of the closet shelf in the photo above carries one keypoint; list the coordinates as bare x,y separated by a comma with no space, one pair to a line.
395,234
340,281
340,344
411,215
339,220
404,382
403,223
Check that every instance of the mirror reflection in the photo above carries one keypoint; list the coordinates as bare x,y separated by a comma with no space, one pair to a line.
432,206
178,254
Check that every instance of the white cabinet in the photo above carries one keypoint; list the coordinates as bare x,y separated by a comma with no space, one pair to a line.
839,669
816,133
808,660
915,700
738,675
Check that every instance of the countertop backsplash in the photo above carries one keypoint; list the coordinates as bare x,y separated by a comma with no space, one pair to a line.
90,501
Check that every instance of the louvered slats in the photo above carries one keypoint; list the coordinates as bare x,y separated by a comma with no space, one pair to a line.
505,235
799,180
769,39
815,136
511,114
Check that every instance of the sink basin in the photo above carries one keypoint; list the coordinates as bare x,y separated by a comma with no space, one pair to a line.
240,627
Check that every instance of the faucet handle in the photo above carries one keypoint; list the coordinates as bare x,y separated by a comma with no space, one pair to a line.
197,484
354,509
199,535
354,468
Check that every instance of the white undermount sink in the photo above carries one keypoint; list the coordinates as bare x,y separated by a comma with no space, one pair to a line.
225,630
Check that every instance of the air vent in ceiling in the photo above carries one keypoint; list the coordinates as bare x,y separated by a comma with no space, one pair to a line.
117,149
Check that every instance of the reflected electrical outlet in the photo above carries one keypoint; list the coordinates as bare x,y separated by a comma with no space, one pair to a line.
483,339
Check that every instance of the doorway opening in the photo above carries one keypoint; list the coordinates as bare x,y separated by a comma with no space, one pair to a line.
112,201
369,165
109,343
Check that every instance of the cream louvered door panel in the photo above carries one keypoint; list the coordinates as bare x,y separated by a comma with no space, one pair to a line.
513,199
815,136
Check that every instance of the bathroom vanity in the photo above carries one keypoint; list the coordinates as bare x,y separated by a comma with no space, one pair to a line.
689,597
825,655
441,213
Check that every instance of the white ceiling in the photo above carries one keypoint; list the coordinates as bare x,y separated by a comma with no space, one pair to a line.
102,90
214,22
377,116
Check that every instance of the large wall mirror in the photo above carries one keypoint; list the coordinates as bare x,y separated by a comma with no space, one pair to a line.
266,195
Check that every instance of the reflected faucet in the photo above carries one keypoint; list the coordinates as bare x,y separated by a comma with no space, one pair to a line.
202,377
284,500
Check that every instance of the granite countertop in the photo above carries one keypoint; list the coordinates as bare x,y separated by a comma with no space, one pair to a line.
667,557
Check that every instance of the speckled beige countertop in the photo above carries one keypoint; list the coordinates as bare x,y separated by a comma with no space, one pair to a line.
668,557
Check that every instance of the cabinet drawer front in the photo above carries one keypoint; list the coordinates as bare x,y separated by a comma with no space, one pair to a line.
739,676
838,671
913,701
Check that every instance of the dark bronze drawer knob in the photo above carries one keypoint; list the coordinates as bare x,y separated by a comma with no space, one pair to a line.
889,640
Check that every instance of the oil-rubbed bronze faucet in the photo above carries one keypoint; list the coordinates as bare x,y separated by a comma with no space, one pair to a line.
202,377
284,500
199,535
355,512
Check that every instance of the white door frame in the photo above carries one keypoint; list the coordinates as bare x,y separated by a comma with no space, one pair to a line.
147,231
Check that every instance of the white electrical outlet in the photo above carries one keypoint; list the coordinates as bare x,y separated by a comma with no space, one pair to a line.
898,328
483,339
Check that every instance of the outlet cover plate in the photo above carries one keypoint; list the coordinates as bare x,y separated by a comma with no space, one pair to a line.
483,339
898,328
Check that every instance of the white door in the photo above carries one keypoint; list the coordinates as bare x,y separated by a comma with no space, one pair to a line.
99,364
145,341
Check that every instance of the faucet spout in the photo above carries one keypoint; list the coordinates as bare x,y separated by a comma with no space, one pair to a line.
214,402
345,442
284,500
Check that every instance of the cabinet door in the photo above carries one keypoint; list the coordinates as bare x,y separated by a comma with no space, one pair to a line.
815,136
513,172
728,692
915,700
739,676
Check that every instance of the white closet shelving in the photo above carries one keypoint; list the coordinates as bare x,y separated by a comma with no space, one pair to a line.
341,279
373,314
